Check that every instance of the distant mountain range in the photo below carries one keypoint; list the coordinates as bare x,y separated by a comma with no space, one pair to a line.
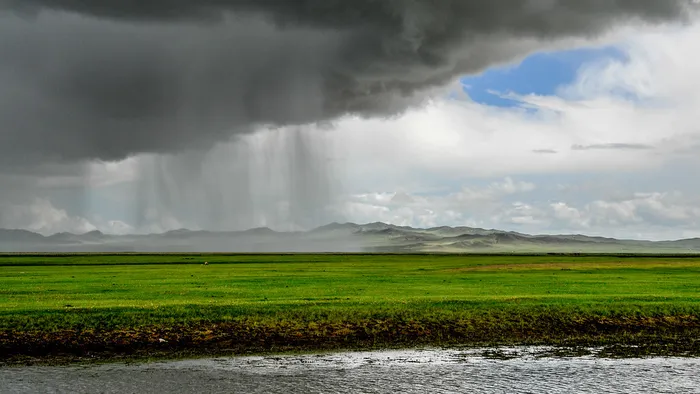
337,237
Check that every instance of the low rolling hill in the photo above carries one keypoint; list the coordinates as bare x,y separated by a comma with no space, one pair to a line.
339,237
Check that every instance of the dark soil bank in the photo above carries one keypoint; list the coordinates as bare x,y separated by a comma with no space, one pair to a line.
624,337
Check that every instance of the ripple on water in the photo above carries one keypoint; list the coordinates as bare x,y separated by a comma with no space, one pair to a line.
407,371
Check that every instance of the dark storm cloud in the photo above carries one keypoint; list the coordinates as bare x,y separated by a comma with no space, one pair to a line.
533,15
105,79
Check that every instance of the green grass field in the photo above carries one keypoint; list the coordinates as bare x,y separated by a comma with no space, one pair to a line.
286,301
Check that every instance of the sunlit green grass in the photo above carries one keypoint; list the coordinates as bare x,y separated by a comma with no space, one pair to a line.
113,291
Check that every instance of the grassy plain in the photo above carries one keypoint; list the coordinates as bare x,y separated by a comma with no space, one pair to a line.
107,305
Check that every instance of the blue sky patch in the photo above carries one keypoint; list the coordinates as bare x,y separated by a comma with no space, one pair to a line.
540,73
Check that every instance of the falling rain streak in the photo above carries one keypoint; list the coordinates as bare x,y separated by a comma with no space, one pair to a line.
282,179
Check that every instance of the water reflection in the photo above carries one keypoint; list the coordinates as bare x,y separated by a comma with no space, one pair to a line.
410,371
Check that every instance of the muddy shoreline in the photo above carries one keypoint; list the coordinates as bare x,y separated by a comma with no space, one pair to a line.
628,337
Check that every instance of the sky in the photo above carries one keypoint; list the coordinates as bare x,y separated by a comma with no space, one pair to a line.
573,133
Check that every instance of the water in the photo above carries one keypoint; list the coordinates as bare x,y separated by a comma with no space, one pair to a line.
410,371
